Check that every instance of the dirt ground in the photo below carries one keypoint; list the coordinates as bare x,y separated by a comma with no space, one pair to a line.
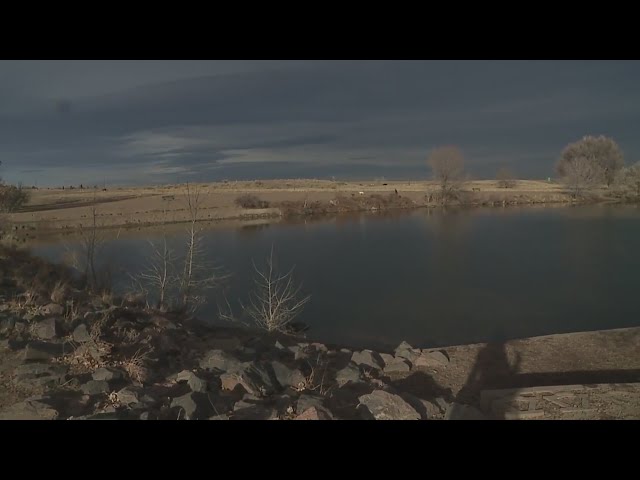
56,209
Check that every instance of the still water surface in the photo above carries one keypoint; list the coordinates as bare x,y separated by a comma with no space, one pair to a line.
431,277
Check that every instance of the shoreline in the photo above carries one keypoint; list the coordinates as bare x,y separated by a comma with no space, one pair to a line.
54,210
247,374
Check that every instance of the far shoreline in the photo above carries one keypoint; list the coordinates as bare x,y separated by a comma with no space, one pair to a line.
55,211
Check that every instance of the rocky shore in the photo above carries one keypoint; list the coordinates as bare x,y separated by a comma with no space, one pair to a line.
121,362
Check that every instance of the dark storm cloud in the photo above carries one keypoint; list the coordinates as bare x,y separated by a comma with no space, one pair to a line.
151,121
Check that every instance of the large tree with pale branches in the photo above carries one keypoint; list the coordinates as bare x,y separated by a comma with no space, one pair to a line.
629,180
602,153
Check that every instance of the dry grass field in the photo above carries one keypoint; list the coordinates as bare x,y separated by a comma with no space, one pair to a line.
51,210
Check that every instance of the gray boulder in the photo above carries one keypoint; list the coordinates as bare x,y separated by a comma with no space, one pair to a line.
95,387
387,358
129,395
367,358
382,405
300,351
252,408
405,350
229,381
187,404
46,329
221,361
319,347
398,365
91,349
432,359
307,401
194,406
312,413
286,376
423,407
350,373
196,384
40,375
256,378
81,334
38,351
108,374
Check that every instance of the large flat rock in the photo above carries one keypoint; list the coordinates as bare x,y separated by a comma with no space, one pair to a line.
608,401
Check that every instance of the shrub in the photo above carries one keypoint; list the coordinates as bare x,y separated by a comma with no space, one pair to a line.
505,178
12,198
447,165
251,201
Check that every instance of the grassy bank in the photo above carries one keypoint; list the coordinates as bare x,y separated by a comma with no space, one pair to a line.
55,210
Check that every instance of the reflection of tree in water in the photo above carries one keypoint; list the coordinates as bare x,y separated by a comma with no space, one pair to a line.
252,229
449,233
448,263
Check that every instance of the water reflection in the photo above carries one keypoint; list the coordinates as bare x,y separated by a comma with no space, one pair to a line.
432,277
253,229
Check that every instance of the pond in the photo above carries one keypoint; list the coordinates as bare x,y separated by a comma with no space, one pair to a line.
429,276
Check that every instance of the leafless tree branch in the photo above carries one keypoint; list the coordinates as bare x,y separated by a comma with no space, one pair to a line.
275,301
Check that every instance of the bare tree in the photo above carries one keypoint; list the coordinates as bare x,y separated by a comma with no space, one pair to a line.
628,179
276,300
91,243
193,242
603,152
580,174
180,283
159,274
447,164
198,274
505,178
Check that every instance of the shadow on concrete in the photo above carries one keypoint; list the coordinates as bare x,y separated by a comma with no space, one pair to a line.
493,371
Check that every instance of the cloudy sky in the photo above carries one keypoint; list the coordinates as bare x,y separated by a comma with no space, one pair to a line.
124,122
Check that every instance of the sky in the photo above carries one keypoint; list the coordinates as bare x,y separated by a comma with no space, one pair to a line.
153,122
